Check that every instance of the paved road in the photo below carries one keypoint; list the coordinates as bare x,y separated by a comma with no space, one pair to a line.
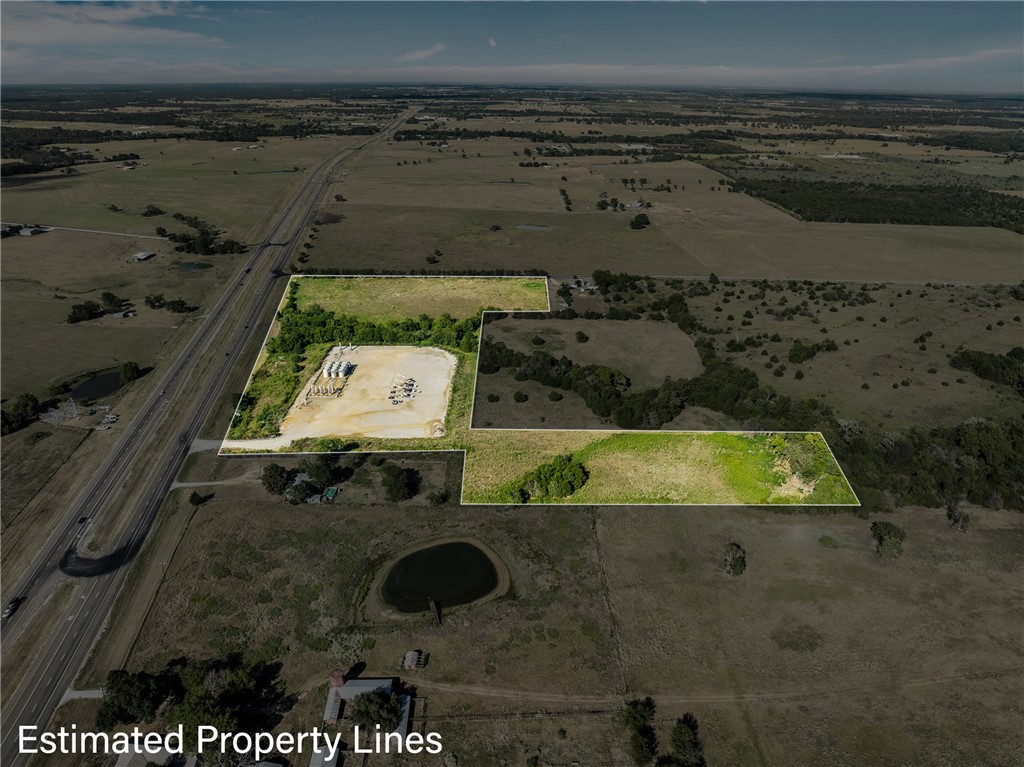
186,395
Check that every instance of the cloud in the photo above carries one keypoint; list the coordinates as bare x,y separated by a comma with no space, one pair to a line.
87,24
491,42
426,53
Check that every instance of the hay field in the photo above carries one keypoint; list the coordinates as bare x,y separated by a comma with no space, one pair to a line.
381,299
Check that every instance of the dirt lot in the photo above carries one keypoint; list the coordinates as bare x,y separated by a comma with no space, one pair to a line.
365,406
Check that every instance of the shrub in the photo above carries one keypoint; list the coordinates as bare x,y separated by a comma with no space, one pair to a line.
555,396
735,559
519,396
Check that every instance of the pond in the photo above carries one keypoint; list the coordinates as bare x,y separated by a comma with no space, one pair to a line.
97,387
193,266
452,574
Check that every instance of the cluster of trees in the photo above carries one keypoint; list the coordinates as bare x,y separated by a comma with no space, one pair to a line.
687,749
176,305
864,203
18,413
234,694
320,471
301,328
205,241
556,479
802,352
1005,369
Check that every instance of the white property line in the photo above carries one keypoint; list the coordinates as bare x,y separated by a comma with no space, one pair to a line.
476,375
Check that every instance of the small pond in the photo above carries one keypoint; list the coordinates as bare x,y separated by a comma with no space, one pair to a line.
451,573
532,227
97,387
193,266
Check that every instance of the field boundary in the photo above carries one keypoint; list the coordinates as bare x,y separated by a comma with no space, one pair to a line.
470,427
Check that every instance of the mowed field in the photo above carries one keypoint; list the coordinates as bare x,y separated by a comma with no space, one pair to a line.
448,202
817,654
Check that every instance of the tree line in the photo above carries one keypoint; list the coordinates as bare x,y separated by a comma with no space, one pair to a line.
865,203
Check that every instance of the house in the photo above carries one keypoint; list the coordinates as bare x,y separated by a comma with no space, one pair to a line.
144,255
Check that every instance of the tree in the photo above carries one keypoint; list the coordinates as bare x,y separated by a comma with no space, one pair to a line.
399,484
195,500
713,279
735,559
958,518
377,707
639,221
581,337
20,413
85,311
888,539
111,303
129,698
155,301
274,478
129,372
637,717
687,749
319,469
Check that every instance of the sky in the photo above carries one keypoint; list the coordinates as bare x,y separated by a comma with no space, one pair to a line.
952,47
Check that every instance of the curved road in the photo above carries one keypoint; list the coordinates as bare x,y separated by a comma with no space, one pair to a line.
120,479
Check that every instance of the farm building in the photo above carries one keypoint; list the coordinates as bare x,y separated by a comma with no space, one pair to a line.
32,231
143,256
342,689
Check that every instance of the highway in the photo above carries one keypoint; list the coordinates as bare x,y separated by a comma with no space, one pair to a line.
142,465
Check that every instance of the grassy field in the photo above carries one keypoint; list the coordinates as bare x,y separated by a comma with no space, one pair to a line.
654,468
600,612
449,202
232,190
45,275
383,299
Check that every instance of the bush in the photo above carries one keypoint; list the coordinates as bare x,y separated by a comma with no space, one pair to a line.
735,559
581,337
555,396
888,539
519,396
958,518
130,372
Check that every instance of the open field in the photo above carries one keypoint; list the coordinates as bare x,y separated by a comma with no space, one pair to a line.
382,300
232,190
599,614
449,202
653,468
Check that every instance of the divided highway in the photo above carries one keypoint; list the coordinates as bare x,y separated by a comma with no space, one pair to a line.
186,395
